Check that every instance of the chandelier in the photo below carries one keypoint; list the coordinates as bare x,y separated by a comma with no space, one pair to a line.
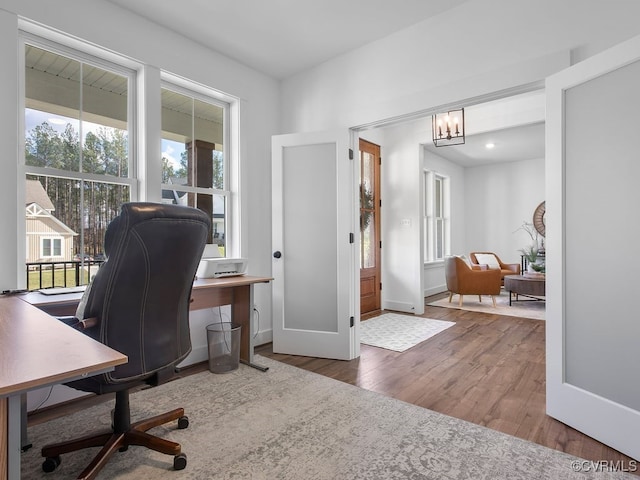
448,128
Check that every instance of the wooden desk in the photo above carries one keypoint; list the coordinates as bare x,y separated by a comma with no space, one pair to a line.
234,291
206,293
37,350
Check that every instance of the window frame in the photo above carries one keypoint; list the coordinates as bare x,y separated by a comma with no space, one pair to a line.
87,57
208,95
52,239
432,219
144,127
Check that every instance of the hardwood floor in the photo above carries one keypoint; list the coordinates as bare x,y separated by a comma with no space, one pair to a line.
486,369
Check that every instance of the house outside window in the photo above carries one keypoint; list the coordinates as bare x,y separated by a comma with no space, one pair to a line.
436,221
51,247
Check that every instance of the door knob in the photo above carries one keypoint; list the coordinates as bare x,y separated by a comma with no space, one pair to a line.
277,254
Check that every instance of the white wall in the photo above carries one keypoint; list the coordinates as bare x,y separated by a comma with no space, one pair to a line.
499,198
400,215
493,45
499,45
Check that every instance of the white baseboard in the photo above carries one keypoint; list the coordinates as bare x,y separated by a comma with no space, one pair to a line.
398,306
264,336
435,290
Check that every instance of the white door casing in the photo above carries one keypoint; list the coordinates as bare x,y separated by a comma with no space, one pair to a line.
315,287
592,171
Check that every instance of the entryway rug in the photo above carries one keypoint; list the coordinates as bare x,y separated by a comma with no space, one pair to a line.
399,332
523,308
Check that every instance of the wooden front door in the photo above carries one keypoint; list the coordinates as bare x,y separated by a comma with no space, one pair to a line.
370,242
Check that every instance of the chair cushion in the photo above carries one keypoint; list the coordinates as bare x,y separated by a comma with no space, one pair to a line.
488,259
466,259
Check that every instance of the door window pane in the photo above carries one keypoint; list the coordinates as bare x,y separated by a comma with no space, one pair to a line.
367,211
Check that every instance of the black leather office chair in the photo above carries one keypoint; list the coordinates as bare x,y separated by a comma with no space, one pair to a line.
138,304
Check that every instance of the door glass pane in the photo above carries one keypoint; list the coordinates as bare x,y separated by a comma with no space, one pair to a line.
309,174
367,211
367,240
601,338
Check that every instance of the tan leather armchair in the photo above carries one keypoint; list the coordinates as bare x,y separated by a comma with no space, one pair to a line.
505,268
470,280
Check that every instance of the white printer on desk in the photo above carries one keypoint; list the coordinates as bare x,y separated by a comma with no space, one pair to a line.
213,265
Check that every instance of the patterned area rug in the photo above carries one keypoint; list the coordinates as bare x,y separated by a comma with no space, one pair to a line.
290,424
523,308
399,332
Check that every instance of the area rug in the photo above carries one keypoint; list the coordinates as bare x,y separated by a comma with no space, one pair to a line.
523,308
399,332
290,424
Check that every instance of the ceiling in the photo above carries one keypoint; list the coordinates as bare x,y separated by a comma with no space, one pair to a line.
283,37
525,142
514,125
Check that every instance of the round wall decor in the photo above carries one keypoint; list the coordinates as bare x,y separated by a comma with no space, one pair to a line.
538,218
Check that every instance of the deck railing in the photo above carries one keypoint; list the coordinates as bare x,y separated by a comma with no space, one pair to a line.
70,273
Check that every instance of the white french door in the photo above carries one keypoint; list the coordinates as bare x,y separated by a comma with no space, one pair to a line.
592,172
315,285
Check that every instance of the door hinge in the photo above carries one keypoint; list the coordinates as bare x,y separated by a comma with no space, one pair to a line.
379,160
352,321
380,285
351,154
380,243
352,238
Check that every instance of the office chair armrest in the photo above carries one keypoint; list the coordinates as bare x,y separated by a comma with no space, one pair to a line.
86,323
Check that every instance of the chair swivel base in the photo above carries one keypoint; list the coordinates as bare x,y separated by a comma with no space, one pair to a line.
110,441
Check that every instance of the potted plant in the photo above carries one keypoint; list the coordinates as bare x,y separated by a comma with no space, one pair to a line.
531,254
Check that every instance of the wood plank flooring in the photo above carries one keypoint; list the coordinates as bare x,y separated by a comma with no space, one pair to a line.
486,369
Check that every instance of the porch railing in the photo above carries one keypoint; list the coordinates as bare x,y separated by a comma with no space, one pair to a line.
70,273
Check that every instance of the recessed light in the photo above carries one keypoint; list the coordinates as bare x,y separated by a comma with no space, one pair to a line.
490,145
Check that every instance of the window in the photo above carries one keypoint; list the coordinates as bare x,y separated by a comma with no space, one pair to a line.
82,117
51,247
78,162
436,217
194,159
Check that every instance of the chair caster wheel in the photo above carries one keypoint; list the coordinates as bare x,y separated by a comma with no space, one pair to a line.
179,461
183,422
50,464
